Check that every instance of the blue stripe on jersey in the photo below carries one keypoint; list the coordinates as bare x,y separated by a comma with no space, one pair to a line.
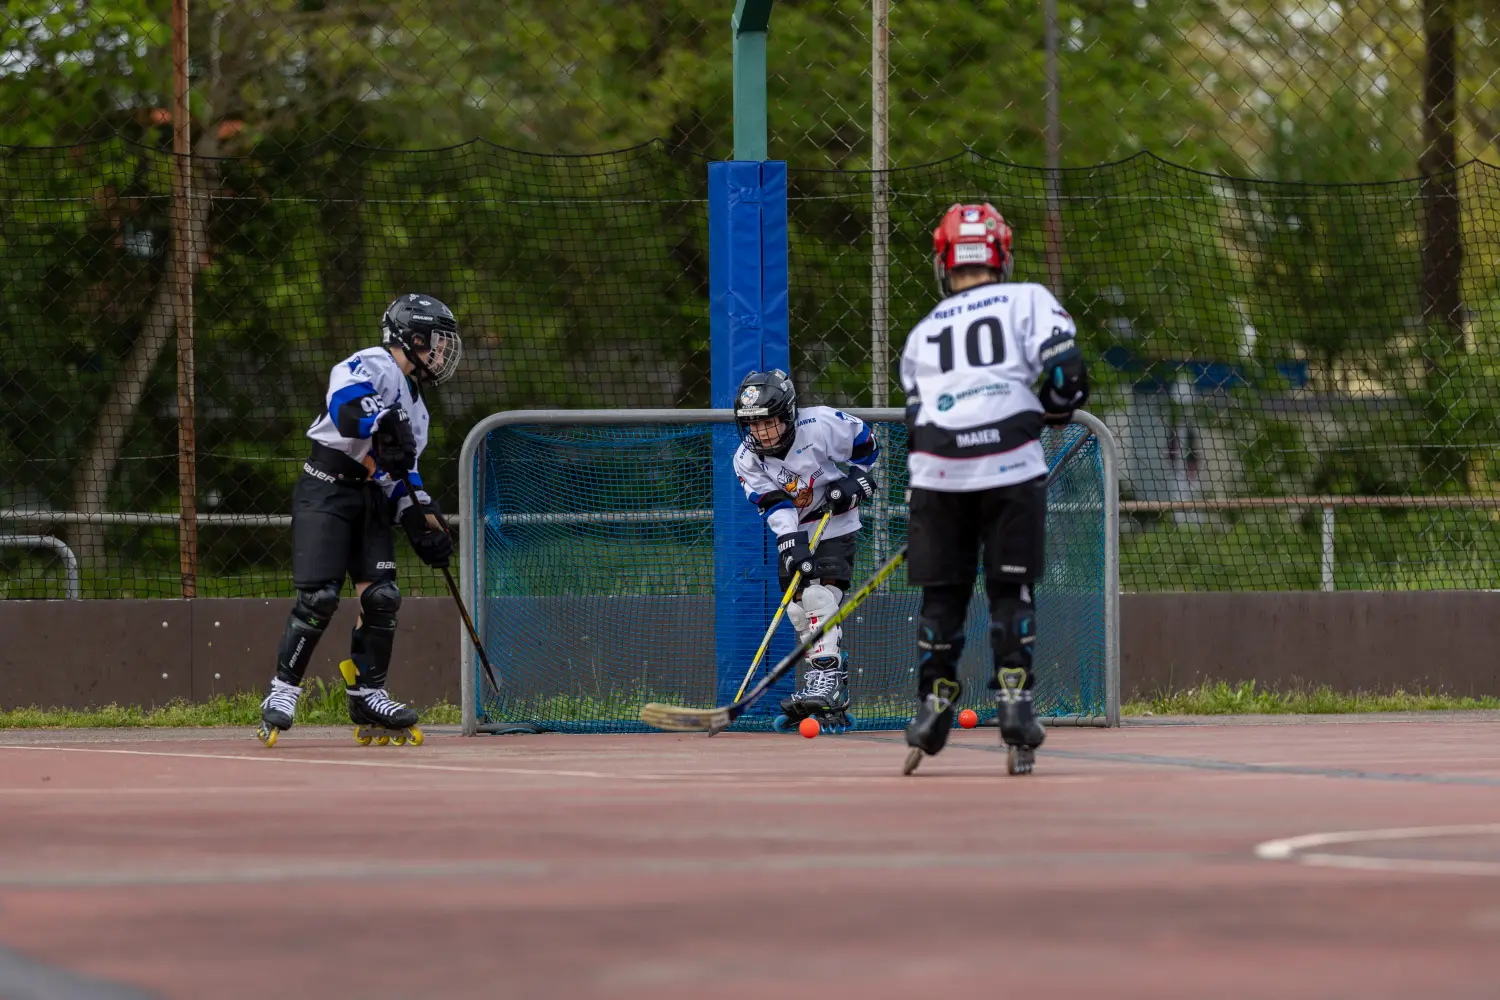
347,394
867,462
754,497
862,436
784,505
400,490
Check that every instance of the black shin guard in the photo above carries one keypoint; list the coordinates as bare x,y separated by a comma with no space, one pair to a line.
372,640
940,645
304,627
1012,637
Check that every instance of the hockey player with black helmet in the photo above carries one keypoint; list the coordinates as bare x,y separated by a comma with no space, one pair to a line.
360,479
978,474
788,464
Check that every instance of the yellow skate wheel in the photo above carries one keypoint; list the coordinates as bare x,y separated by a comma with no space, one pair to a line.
382,740
399,739
268,735
416,736
361,737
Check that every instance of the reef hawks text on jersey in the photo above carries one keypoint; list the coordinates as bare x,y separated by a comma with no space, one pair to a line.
373,379
824,436
968,369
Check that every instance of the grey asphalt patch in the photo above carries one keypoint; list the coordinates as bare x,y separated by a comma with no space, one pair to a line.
23,978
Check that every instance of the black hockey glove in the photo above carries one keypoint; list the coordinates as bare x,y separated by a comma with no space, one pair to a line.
432,545
393,444
855,488
794,554
1065,388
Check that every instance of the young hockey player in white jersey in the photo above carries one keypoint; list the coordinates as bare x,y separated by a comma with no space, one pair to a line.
788,463
977,470
353,487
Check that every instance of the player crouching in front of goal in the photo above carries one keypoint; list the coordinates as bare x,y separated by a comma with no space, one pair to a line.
360,479
788,463
978,474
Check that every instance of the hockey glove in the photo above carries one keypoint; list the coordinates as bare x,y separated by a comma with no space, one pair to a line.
855,488
1064,389
393,444
432,545
794,554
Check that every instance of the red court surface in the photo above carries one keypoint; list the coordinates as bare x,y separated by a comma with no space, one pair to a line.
198,864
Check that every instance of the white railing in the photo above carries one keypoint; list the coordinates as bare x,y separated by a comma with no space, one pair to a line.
1327,503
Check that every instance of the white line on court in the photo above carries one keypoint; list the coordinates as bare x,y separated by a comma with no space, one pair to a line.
1300,850
276,758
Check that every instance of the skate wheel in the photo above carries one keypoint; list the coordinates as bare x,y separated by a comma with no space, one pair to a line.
382,740
416,736
361,737
913,758
399,739
782,724
1019,760
268,735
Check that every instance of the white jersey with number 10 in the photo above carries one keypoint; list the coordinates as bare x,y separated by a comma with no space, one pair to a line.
969,368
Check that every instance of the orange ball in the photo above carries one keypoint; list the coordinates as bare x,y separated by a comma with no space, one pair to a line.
968,718
809,727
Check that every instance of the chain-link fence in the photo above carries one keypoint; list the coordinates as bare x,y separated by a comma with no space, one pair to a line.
1299,366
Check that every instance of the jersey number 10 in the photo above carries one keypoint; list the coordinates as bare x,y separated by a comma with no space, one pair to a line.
973,346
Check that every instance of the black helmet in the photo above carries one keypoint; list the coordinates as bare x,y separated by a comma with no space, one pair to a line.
762,395
421,324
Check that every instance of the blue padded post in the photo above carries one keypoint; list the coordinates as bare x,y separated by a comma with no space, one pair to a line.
748,331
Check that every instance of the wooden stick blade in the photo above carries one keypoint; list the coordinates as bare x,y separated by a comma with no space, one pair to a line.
680,719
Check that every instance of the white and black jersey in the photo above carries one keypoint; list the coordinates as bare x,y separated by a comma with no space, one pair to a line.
359,388
788,490
968,371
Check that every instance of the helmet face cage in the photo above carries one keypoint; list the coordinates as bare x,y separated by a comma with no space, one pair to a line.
421,325
971,236
762,396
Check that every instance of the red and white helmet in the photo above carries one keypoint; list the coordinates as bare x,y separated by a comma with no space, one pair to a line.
971,236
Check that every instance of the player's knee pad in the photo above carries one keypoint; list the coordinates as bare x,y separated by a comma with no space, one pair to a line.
379,603
1012,633
940,634
304,627
819,603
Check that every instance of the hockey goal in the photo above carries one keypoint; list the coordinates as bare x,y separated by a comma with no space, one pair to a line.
610,559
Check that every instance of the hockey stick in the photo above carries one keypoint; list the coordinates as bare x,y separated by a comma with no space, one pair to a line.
785,600
677,719
463,612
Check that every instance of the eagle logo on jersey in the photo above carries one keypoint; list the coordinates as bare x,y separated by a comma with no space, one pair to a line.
801,493
750,395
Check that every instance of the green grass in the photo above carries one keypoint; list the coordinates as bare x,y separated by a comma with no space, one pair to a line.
321,705
1247,698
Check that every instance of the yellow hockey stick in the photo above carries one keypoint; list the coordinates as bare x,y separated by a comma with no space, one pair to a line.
785,600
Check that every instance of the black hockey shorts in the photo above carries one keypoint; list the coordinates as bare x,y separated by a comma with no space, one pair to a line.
833,561
947,530
341,527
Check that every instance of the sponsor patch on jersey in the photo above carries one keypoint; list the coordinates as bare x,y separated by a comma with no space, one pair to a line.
357,367
1061,312
750,396
945,403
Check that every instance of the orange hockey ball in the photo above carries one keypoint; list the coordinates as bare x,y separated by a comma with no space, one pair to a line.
968,718
809,727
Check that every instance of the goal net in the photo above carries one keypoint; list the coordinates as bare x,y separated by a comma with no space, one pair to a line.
611,560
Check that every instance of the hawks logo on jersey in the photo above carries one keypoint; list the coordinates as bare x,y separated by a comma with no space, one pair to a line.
800,492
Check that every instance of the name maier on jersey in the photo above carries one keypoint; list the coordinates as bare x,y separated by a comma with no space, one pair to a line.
789,489
968,371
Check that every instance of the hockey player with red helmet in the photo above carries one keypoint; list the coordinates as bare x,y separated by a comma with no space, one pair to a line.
977,470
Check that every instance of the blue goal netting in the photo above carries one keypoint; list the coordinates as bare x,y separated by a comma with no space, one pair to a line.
593,575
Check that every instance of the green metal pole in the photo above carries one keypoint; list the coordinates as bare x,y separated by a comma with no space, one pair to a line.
751,20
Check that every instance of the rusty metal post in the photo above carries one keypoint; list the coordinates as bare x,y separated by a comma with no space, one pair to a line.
185,248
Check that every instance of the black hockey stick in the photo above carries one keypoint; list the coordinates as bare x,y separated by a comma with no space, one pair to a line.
463,612
679,719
